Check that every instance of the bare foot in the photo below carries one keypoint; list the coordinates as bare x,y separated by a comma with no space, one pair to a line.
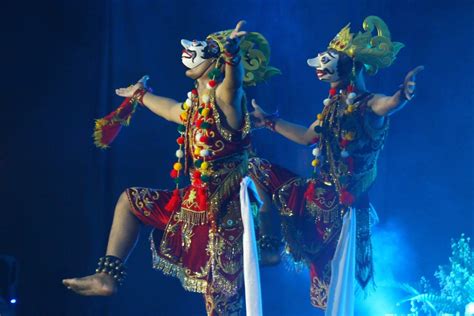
269,257
99,284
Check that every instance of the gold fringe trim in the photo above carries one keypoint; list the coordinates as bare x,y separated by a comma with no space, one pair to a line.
100,123
221,194
98,133
171,269
231,181
192,217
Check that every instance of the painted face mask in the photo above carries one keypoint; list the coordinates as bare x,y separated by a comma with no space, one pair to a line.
193,53
196,52
326,66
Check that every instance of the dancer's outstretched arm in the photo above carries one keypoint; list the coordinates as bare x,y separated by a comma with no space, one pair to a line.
167,108
229,93
297,133
383,105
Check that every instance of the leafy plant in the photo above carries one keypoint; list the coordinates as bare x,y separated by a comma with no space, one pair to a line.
456,284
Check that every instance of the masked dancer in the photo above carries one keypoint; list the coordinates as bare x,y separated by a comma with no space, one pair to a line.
326,218
197,234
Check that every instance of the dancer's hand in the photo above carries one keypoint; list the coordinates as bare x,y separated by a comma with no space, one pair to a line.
130,90
237,34
257,116
409,84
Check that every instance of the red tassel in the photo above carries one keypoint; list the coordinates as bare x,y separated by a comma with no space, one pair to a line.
309,194
174,202
344,143
350,164
346,198
106,129
202,198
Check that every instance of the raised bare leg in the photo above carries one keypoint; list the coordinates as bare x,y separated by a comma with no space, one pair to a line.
122,239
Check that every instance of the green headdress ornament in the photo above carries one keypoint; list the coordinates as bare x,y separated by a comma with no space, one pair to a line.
255,52
373,51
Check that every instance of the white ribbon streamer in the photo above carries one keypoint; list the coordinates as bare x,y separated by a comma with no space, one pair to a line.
341,288
253,297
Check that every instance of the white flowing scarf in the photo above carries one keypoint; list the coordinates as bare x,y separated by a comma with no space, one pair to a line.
253,297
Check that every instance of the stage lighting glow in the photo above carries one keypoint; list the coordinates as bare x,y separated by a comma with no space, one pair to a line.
13,301
469,309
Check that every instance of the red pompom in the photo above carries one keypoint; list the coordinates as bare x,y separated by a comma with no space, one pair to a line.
194,91
199,123
174,174
346,198
196,175
309,194
180,140
350,164
174,202
344,143
204,139
350,88
332,91
212,83
315,140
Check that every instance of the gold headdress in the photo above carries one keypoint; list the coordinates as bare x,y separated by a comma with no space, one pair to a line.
255,52
373,51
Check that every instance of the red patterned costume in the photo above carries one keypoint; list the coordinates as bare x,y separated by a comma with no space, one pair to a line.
312,209
198,229
327,218
183,243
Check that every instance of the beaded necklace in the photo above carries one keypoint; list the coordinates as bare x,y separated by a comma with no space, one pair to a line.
197,115
328,122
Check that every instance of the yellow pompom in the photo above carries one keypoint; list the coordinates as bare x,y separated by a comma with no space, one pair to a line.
205,112
204,165
197,151
185,106
349,136
178,166
315,163
184,116
350,108
319,117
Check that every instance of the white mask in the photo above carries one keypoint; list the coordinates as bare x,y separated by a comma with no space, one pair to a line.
193,53
326,66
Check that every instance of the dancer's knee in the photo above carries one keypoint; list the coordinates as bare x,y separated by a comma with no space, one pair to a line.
123,201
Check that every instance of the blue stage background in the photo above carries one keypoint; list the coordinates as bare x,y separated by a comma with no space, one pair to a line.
63,60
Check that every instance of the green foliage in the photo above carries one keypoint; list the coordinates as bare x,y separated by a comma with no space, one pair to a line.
456,284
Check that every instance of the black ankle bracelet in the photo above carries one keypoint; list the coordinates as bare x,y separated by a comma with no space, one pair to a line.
113,266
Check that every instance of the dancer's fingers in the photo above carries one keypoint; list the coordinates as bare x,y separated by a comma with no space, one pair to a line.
144,79
239,25
254,104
